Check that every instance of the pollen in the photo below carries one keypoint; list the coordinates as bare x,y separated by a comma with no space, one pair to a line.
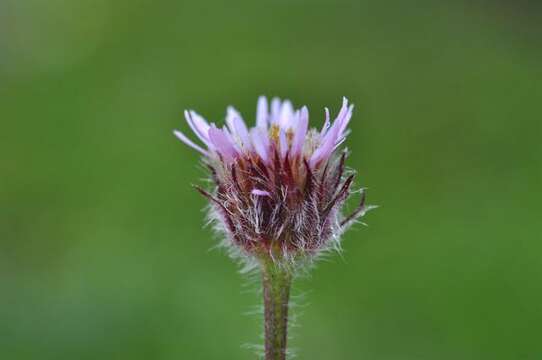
274,132
290,136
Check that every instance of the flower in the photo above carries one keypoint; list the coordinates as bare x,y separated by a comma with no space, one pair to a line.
279,186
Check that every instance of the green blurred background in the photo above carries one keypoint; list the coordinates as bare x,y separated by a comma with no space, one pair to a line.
103,253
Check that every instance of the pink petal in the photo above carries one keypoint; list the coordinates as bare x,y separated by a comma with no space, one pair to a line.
327,123
346,120
333,137
342,114
259,192
262,113
231,114
240,129
275,110
283,143
294,120
326,147
340,120
198,125
344,109
260,141
221,142
286,116
300,132
232,141
189,142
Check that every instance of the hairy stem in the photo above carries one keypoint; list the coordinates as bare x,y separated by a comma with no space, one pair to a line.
276,293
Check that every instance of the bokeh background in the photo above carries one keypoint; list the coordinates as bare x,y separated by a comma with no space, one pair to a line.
103,253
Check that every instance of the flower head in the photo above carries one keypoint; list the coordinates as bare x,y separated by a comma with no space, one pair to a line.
279,186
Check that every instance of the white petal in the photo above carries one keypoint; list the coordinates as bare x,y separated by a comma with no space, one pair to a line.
286,116
300,132
327,123
345,121
231,114
199,125
189,142
242,132
260,141
283,143
262,113
275,110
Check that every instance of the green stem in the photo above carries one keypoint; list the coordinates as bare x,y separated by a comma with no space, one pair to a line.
276,293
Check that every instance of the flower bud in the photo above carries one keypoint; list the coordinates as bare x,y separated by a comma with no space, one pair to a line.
279,187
